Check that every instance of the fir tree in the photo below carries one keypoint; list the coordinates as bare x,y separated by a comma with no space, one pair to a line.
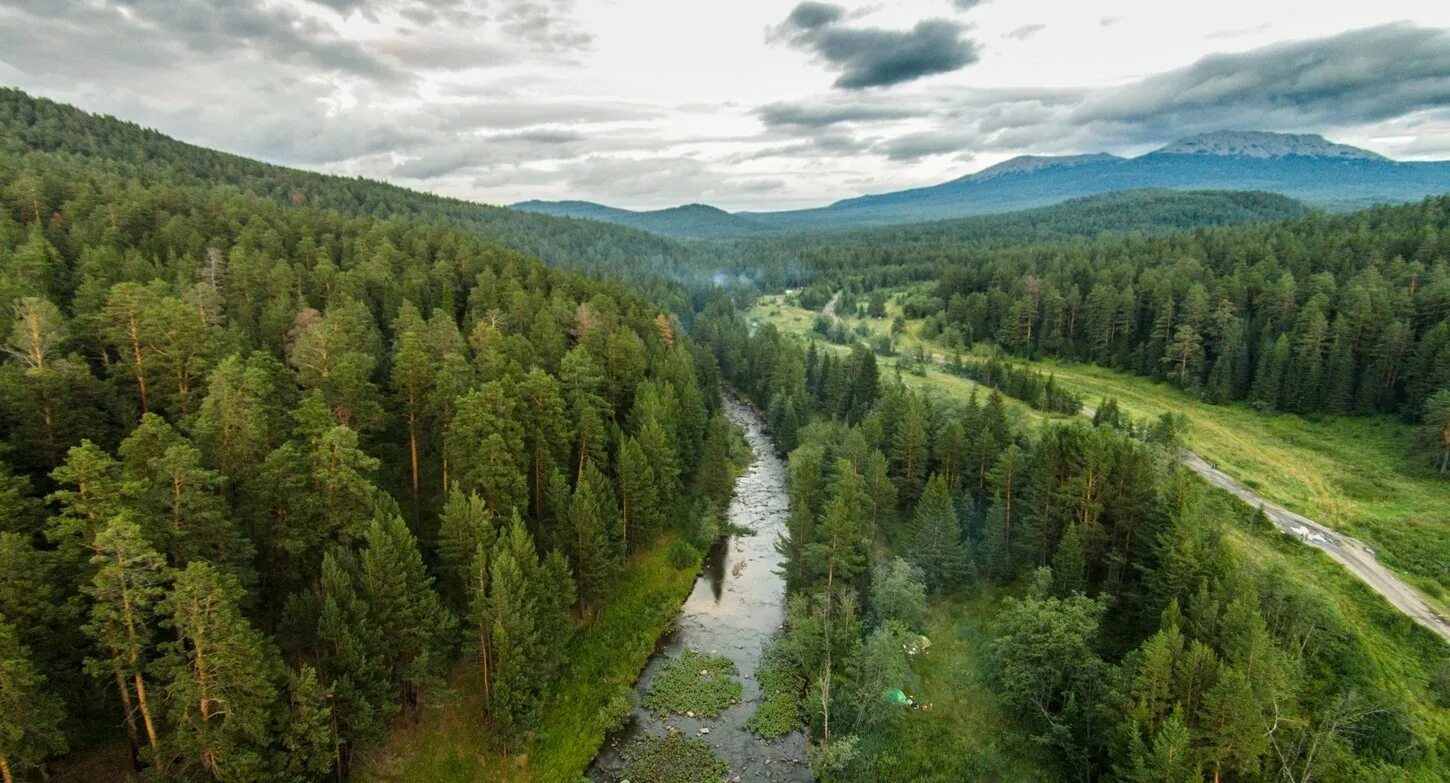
937,547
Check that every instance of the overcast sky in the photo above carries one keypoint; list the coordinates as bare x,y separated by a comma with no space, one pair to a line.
746,104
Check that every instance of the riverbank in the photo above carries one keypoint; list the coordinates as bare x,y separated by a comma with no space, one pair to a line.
451,742
736,605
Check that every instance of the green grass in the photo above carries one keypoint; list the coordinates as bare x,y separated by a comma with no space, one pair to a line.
960,733
452,742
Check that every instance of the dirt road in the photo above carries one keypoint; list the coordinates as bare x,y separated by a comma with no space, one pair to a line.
1348,552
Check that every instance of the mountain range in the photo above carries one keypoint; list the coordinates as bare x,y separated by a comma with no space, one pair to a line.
1303,166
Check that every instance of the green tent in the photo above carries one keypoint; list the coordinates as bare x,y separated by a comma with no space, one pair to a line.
896,696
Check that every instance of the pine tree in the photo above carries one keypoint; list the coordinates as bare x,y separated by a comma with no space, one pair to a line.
546,434
485,448
128,583
1230,723
582,381
513,615
30,716
307,733
235,422
412,375
937,547
222,688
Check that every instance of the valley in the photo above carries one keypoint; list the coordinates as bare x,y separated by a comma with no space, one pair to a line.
1030,423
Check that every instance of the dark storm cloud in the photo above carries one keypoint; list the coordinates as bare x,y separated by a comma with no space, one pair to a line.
871,56
1356,77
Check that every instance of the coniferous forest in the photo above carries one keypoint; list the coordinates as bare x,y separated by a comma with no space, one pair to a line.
292,464
269,470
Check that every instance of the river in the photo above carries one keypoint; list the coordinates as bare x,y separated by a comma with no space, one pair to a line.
735,607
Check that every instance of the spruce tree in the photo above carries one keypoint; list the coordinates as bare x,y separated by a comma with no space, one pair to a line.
30,716
417,628
937,546
639,504
595,540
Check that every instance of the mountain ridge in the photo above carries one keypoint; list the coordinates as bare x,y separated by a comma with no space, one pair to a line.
1304,166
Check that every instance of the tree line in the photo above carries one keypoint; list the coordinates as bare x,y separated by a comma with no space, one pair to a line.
1318,314
268,471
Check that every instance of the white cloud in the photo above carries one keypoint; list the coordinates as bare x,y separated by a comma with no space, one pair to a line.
655,102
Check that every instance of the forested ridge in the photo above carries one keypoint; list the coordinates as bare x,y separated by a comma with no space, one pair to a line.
1323,313
269,470
1133,639
53,130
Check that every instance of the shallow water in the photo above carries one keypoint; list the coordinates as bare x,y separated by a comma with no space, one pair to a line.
735,607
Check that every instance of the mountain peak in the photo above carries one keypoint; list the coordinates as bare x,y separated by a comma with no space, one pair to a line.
1023,164
1263,144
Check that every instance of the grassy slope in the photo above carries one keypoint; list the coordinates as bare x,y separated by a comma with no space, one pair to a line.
451,742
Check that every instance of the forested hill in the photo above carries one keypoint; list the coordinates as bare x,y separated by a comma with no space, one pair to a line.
267,470
29,124
1323,313
1141,211
691,221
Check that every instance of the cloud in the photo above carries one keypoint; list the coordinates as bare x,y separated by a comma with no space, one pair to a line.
1026,31
873,57
1356,77
821,114
922,144
1351,80
967,5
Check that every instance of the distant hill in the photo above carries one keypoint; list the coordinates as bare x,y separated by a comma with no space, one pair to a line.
1128,211
695,221
1306,167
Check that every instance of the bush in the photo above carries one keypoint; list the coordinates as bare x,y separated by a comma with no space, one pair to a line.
616,711
694,683
683,555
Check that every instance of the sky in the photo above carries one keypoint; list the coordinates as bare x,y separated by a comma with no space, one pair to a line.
746,104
